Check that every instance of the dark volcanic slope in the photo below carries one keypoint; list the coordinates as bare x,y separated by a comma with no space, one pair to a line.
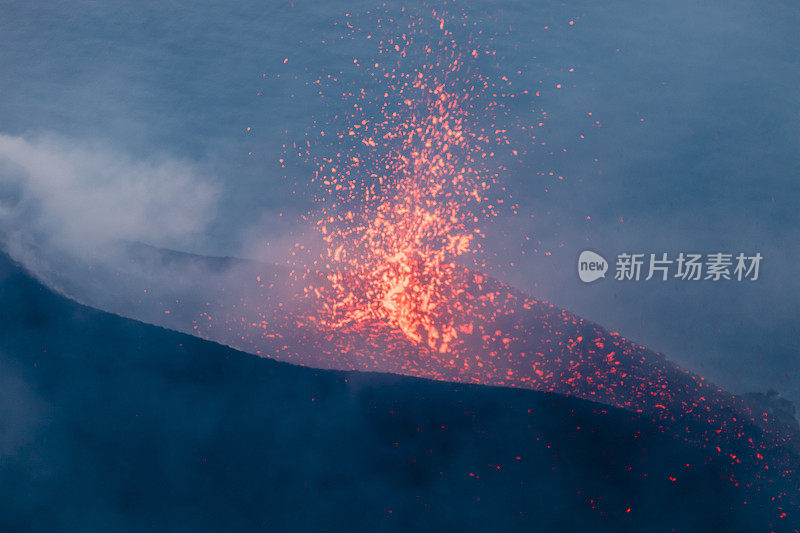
110,424
505,338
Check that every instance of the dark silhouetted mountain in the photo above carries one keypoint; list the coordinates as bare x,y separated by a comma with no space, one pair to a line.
111,424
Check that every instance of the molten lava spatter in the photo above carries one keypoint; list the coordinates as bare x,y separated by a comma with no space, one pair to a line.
406,190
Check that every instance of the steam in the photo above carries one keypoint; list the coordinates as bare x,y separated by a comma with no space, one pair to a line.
62,202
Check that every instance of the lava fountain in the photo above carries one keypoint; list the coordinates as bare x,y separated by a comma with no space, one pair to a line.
406,199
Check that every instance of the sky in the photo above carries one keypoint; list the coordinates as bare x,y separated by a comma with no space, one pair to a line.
676,130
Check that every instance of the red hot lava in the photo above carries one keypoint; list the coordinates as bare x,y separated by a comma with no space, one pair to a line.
406,191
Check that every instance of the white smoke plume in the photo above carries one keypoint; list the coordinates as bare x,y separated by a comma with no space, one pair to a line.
63,202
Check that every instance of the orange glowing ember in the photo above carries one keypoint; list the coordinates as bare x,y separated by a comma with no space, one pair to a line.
401,203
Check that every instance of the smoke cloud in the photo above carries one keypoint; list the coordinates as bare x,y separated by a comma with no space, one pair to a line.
62,200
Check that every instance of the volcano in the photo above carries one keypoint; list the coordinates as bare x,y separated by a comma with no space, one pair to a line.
506,339
113,424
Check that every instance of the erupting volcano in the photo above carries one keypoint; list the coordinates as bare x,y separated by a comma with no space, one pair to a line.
407,181
513,340
395,378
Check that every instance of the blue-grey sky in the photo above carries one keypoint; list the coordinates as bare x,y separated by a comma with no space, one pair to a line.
692,145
